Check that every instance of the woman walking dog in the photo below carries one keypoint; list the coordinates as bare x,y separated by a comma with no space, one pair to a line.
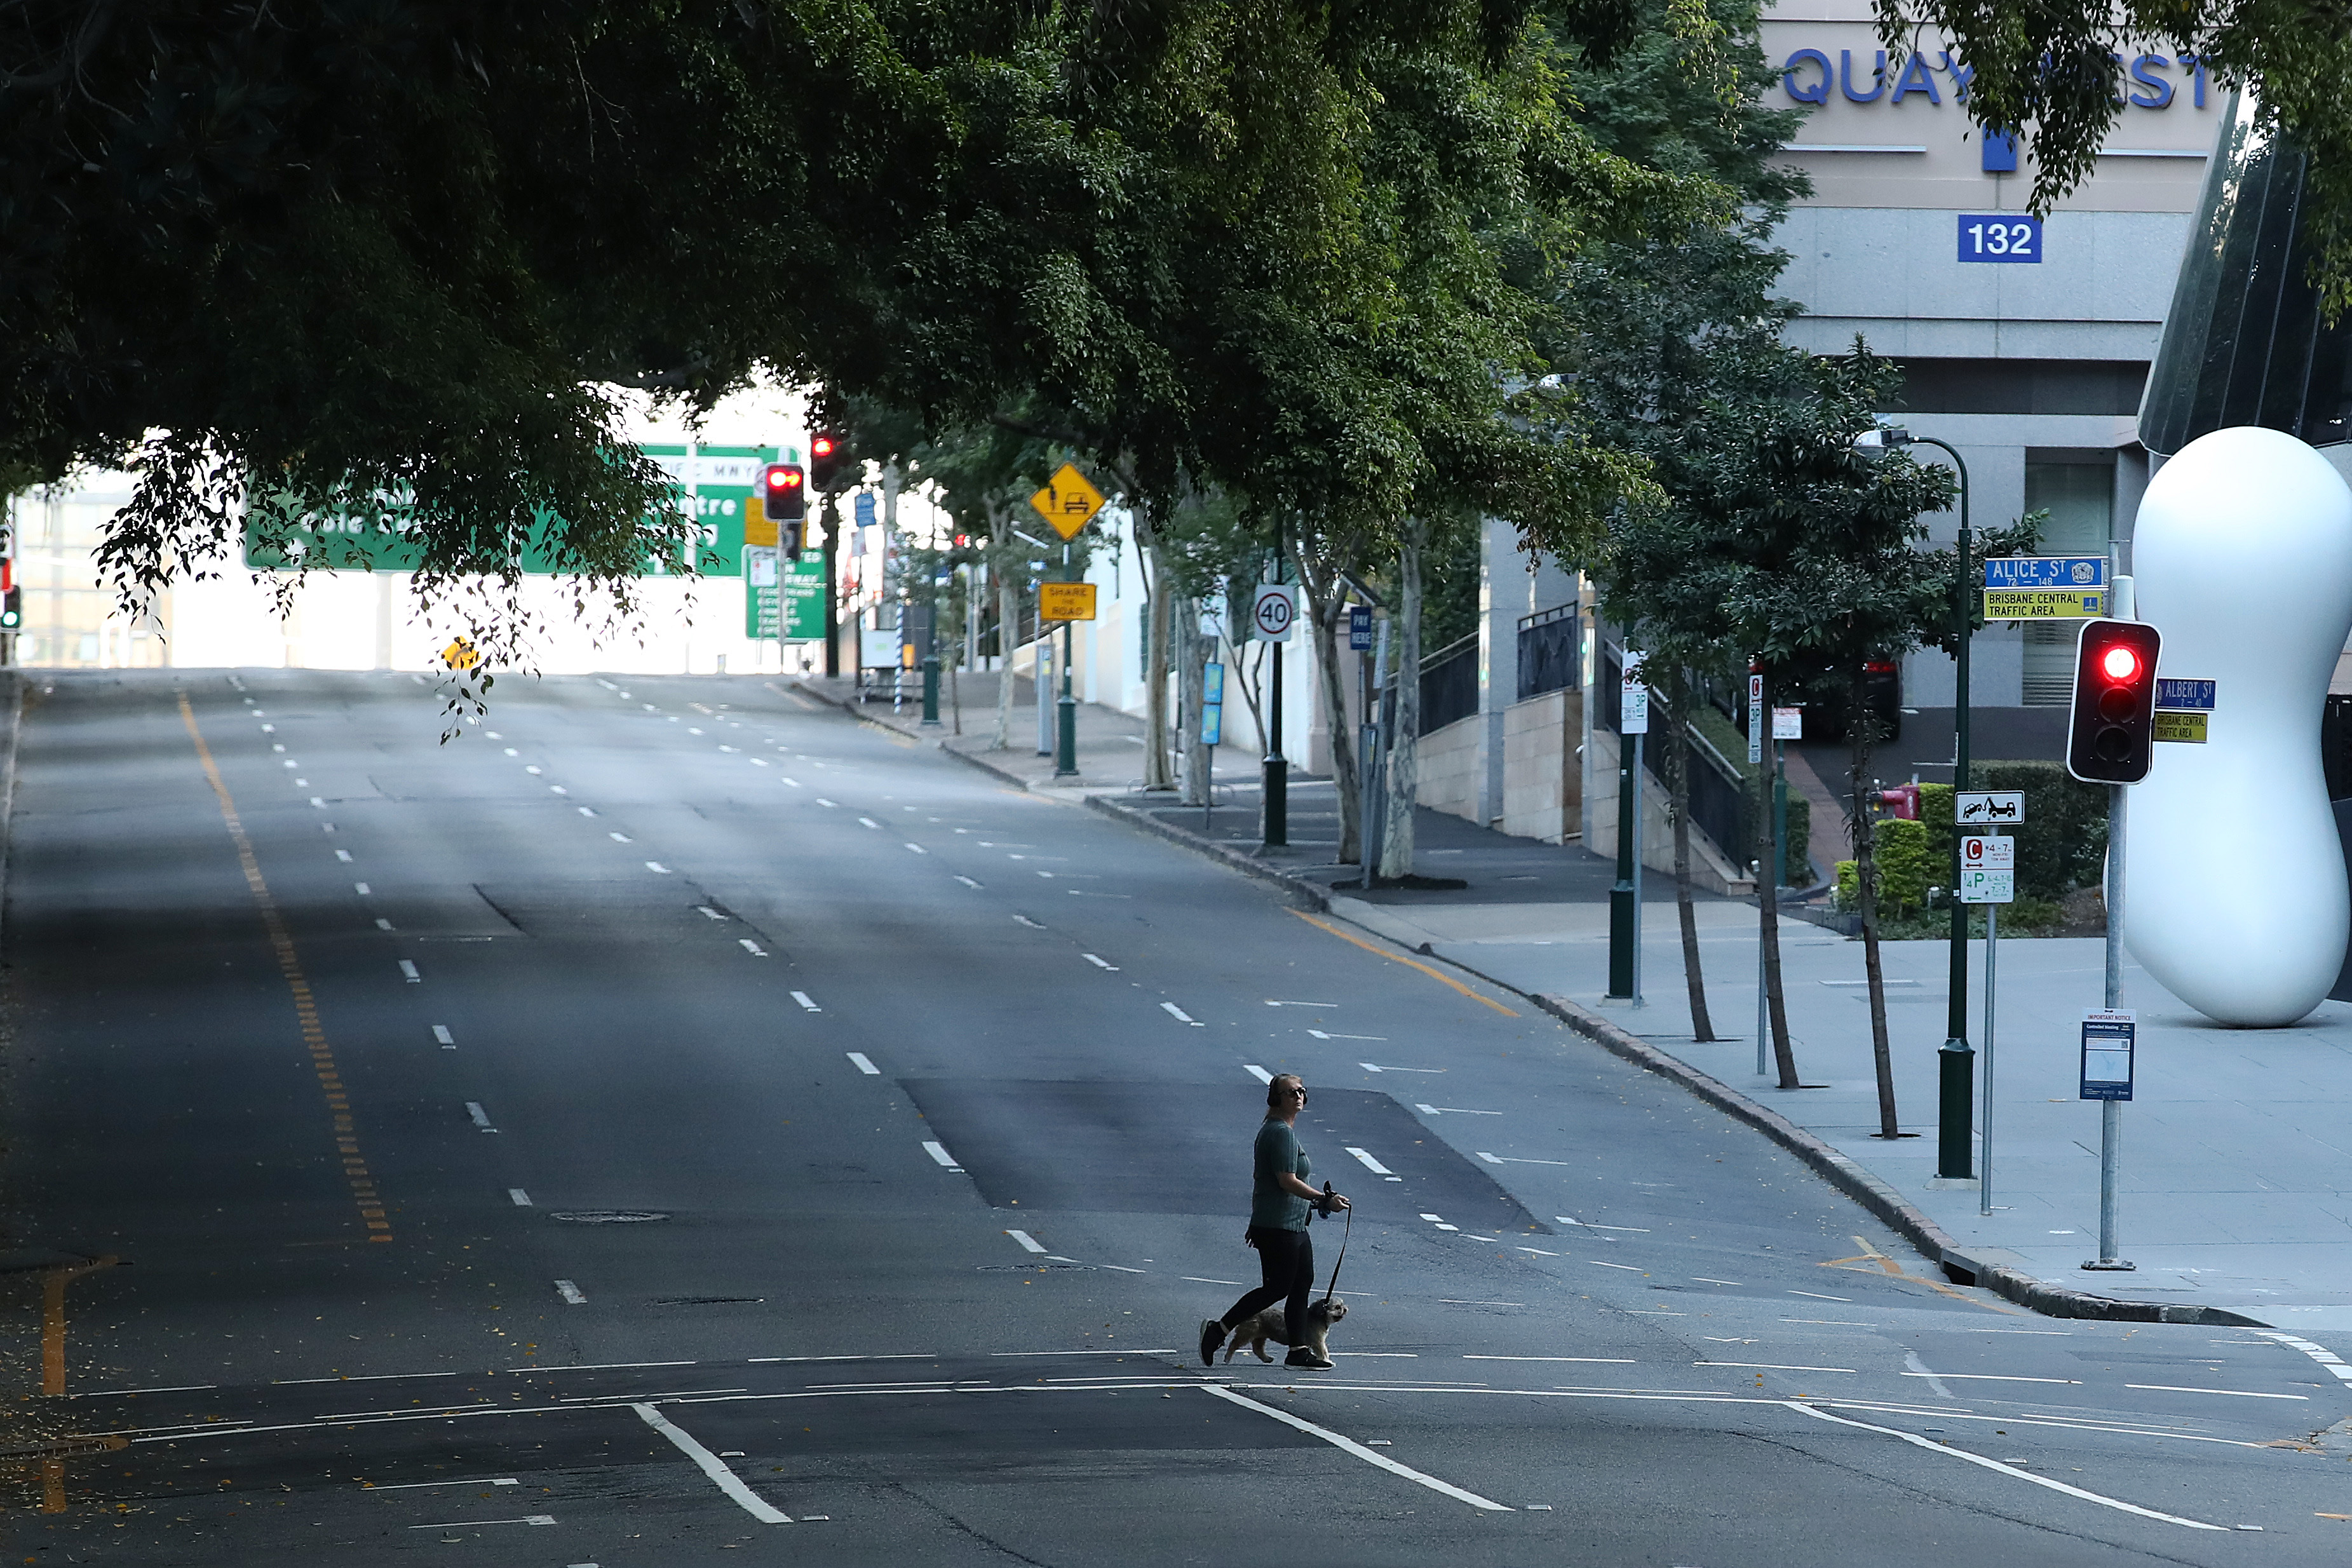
1280,1198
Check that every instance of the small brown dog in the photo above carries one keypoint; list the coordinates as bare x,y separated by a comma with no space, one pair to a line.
1269,1325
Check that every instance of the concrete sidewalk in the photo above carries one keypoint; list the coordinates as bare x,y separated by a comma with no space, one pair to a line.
2236,1188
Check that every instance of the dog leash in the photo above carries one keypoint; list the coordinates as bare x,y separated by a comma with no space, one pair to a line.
1346,1231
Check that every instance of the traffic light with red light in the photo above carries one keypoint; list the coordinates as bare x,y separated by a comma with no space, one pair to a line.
2111,735
827,453
783,491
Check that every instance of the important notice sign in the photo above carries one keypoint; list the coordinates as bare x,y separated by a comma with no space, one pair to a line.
2108,1041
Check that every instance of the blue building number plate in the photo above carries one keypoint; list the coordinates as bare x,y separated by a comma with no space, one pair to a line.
2000,237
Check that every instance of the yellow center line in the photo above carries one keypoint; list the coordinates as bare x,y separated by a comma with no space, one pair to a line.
1409,963
306,1011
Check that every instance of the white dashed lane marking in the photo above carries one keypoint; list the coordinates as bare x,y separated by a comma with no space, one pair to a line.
441,1033
1257,1072
521,1199
753,948
807,1006
967,881
939,1152
1181,1016
480,1117
571,1293
408,970
858,1059
1028,1243
1099,963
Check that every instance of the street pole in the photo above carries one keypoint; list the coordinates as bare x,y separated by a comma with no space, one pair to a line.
1638,741
1065,752
1277,769
1992,993
1042,670
1755,758
1955,1061
931,663
1621,893
832,590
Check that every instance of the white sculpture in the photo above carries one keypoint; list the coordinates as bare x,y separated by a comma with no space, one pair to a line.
2234,897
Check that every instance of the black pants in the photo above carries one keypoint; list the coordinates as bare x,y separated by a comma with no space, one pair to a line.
1286,1261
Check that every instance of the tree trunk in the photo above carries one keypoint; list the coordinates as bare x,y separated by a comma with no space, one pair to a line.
1768,917
1404,782
1865,882
1192,655
1158,755
1678,767
1325,593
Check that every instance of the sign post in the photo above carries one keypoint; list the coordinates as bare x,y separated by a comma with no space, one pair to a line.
1756,759
1988,877
1633,719
1272,609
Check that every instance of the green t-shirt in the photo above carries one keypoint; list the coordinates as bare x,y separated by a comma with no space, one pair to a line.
1278,1151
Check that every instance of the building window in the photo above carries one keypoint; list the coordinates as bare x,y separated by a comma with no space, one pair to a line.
2079,494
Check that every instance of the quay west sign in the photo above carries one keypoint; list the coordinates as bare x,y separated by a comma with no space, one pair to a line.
1810,75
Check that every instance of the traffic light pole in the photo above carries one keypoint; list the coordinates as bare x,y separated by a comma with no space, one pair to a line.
2121,604
832,590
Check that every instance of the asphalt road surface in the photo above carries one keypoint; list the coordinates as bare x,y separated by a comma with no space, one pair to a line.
672,1119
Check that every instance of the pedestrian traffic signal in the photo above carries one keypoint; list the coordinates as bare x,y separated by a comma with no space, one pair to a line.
2112,731
827,455
12,609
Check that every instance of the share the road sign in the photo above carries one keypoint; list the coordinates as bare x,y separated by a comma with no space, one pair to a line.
1065,600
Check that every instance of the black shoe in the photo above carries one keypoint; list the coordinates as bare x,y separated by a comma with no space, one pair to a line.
1308,1358
1213,1334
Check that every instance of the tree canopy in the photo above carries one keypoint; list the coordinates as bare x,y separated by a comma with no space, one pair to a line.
348,250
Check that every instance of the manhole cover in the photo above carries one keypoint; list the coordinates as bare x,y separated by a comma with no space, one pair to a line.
609,1217
708,1301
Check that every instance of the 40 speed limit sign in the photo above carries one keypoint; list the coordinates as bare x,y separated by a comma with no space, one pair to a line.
1272,611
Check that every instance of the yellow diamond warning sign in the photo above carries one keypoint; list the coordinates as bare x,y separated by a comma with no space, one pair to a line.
1068,501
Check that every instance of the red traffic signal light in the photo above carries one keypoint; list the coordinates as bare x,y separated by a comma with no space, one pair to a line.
2111,734
784,492
827,452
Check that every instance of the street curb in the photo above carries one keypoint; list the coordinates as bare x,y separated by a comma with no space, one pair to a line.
1300,890
1874,1194
1839,1170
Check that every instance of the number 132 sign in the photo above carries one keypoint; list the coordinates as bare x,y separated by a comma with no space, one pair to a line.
2000,237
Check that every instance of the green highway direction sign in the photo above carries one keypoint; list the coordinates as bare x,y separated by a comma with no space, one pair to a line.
801,615
721,480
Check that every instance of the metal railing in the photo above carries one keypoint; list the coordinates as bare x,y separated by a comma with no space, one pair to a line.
1722,799
1548,642
1449,684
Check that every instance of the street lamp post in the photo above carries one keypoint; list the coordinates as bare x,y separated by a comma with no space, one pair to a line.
1955,1061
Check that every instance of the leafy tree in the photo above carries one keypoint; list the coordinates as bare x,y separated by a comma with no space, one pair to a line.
344,250
1786,545
1674,336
